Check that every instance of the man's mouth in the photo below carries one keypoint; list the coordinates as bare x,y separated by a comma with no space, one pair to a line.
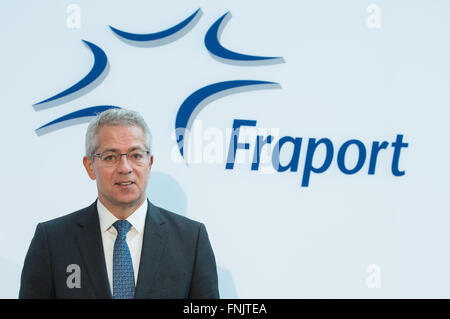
124,183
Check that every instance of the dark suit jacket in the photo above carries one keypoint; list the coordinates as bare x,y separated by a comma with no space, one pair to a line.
177,260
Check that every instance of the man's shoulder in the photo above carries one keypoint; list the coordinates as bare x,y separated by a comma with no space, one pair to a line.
68,219
175,219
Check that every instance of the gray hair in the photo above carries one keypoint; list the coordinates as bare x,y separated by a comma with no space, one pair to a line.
115,116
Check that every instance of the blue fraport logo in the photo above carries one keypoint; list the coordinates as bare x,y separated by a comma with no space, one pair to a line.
312,147
97,73
100,67
194,103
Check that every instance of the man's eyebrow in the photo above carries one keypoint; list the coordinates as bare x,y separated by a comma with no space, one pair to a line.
109,150
116,150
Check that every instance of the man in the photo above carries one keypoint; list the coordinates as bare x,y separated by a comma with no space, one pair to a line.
121,246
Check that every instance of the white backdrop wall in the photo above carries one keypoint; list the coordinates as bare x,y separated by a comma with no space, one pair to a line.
364,70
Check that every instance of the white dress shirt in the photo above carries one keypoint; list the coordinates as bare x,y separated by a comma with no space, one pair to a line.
134,237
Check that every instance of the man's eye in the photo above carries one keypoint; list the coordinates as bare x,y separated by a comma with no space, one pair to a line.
109,158
136,156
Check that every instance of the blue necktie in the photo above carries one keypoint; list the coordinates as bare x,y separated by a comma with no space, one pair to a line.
123,274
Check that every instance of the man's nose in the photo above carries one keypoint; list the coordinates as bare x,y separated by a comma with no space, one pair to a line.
124,166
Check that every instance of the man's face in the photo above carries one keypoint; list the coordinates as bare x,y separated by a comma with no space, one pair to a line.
112,191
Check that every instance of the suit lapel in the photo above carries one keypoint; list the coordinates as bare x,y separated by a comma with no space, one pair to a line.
90,242
152,249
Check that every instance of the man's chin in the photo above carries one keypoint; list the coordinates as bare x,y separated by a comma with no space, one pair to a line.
126,201
129,202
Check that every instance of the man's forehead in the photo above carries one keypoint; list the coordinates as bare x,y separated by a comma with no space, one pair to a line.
115,136
118,127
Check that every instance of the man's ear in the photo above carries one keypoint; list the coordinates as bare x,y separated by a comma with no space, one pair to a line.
87,162
151,162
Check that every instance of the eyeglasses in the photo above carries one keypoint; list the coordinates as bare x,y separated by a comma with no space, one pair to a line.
111,158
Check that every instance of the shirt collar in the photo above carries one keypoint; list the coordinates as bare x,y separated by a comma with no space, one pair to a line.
137,219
